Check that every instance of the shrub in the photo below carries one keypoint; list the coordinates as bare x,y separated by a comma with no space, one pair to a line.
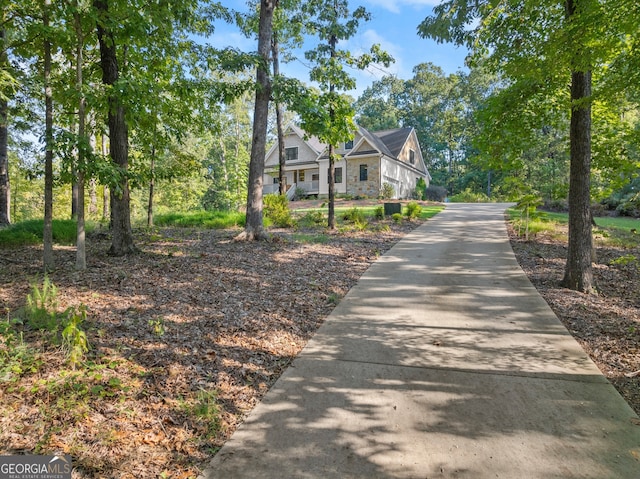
387,191
74,339
468,196
413,210
379,213
397,217
421,189
276,208
41,311
300,193
354,215
312,218
528,207
436,193
630,205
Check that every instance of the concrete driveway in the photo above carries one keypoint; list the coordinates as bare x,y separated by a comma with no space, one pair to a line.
443,361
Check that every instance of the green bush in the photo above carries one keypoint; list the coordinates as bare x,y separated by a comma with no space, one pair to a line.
387,191
397,217
379,213
312,218
74,339
436,193
414,210
630,205
421,189
468,196
276,208
354,215
41,311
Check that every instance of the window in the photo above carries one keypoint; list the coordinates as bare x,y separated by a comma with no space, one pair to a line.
412,157
348,145
291,154
301,176
337,175
363,173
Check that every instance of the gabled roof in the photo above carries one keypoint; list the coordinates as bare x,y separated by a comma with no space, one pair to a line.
387,142
312,141
394,139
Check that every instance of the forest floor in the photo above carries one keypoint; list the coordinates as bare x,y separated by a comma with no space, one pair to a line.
190,333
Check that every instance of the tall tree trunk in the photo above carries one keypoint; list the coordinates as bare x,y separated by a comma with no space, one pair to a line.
47,232
106,210
332,189
579,272
92,209
275,52
152,184
121,233
81,256
74,192
5,190
93,198
331,222
225,171
254,228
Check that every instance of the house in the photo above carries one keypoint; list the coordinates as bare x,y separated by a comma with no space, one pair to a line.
365,164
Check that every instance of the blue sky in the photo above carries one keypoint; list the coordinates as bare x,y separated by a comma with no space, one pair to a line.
393,26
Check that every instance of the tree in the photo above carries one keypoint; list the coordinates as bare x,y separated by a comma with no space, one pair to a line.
558,42
48,140
441,108
122,235
82,142
228,156
329,115
254,228
5,81
378,108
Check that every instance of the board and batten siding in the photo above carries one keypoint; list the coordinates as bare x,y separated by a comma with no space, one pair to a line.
403,178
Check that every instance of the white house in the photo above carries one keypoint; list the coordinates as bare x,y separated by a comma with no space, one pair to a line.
365,165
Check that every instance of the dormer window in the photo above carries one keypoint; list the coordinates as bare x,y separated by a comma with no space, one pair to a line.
348,145
291,154
412,157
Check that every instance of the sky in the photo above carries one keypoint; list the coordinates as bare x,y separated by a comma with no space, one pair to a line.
394,26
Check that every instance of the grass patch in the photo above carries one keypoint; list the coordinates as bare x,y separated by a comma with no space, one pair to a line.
30,232
610,231
202,219
430,211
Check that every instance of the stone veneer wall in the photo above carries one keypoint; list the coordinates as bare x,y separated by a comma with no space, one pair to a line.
369,188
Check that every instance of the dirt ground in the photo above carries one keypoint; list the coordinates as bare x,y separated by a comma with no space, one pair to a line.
189,334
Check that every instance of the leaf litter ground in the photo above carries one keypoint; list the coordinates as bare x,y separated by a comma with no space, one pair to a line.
188,336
